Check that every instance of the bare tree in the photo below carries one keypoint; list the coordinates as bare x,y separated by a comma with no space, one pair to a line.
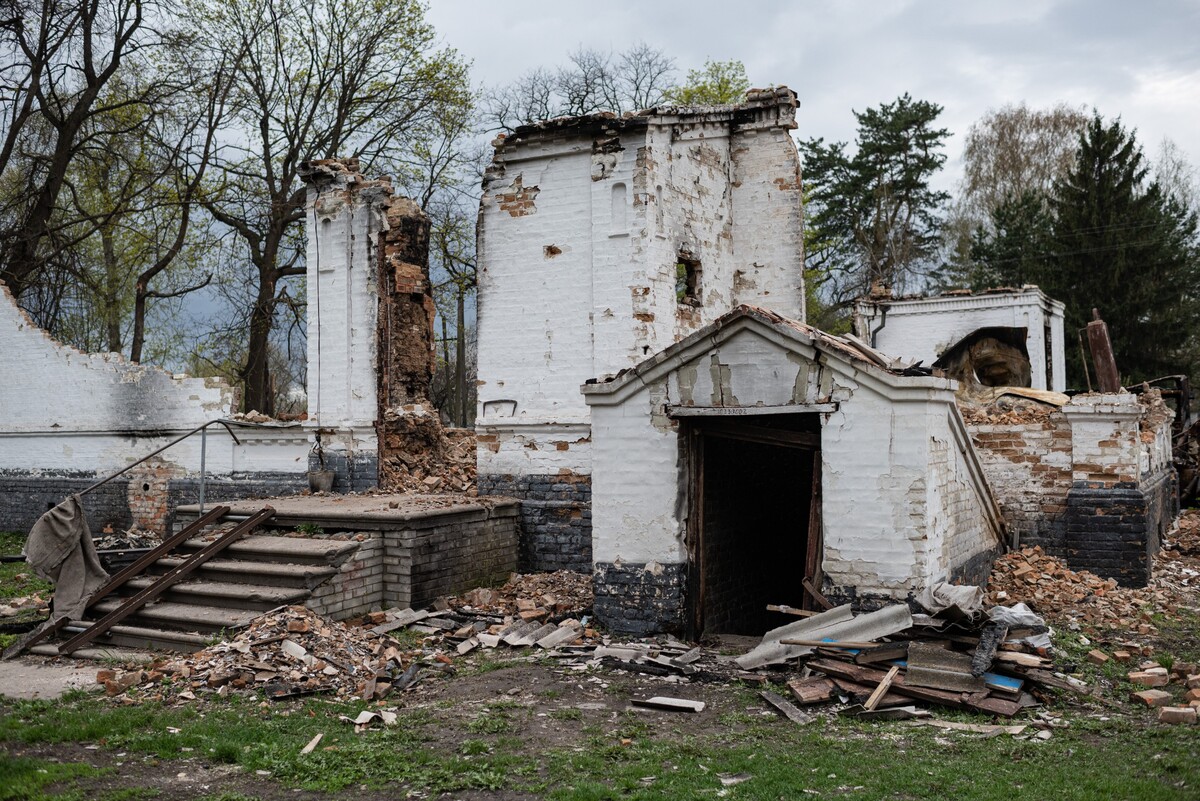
592,81
315,79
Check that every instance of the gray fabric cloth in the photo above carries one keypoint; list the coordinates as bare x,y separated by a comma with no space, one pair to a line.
60,549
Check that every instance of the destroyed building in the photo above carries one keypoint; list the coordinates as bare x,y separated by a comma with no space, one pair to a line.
653,410
650,393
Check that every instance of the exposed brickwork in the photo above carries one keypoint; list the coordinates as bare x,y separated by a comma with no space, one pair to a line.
359,587
448,554
640,598
1114,531
357,472
1029,466
556,518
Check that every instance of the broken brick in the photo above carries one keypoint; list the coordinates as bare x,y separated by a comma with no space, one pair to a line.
1152,698
1176,714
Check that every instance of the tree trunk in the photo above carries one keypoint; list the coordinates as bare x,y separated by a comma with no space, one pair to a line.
139,322
256,373
460,365
112,292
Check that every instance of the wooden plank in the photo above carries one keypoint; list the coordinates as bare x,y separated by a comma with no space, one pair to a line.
884,684
171,543
815,594
1100,344
669,704
785,707
790,610
167,581
813,690
865,675
814,543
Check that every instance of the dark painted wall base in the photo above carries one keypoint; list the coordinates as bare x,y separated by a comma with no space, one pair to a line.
633,600
24,497
356,473
556,518
1114,532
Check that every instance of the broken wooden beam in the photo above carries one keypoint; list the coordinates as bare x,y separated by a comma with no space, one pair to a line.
865,675
785,708
884,684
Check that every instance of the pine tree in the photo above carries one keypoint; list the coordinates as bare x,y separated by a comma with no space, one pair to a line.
1121,246
1015,249
879,217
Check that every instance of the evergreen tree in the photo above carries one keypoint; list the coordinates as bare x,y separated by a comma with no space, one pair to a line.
1014,249
879,216
1121,246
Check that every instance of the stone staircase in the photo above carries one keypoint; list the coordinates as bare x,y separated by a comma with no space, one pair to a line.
255,574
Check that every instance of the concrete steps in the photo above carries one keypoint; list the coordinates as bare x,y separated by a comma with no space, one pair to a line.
230,595
253,575
265,574
287,550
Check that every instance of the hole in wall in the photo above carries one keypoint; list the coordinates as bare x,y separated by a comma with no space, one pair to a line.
145,487
688,273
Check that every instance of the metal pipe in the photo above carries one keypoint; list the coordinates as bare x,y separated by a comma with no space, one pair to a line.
175,441
203,449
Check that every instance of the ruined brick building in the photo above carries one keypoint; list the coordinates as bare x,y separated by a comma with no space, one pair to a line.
649,391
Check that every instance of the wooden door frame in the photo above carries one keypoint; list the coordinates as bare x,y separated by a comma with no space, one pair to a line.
693,437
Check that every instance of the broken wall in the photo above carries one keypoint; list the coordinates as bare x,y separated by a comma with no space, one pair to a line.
370,330
924,328
73,417
1091,482
905,503
583,226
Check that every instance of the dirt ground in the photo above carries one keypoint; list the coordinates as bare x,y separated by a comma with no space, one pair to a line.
550,706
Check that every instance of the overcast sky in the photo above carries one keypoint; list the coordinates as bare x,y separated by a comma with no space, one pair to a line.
1139,59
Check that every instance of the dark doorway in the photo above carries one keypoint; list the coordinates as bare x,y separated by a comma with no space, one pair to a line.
754,524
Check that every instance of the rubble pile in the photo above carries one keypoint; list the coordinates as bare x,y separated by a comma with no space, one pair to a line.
533,596
125,540
282,654
1053,589
1007,410
424,456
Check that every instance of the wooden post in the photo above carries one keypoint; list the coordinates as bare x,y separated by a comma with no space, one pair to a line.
1102,354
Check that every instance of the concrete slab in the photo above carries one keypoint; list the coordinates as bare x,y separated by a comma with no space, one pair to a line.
381,508
34,678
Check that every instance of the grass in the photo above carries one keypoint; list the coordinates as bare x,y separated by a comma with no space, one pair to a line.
632,754
18,580
25,779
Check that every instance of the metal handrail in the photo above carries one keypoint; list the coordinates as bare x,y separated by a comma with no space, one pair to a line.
176,441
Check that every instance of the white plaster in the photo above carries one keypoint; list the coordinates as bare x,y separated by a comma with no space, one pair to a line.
580,280
904,497
925,328
46,386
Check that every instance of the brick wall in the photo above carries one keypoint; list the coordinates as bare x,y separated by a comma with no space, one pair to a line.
449,553
1029,466
555,518
359,587
124,501
640,598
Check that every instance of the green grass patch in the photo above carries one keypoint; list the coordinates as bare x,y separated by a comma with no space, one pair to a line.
632,756
26,779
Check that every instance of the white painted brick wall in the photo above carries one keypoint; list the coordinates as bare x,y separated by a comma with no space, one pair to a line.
924,328
578,280
904,503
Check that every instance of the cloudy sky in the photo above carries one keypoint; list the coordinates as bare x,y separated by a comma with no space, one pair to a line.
1139,59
